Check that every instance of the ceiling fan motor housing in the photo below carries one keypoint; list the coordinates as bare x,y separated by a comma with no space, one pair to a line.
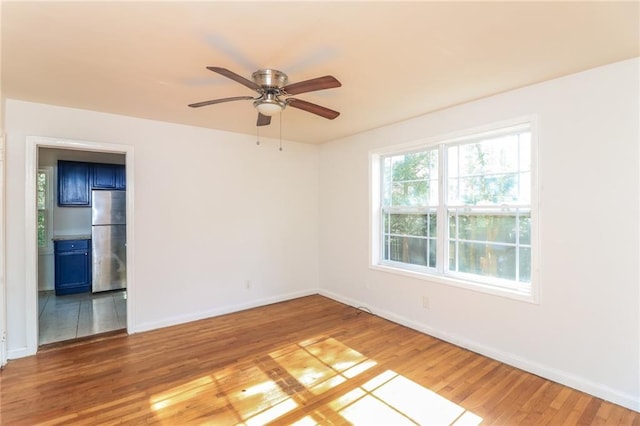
270,78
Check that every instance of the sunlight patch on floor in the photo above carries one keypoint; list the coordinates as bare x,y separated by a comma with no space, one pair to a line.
418,403
305,421
260,388
272,413
390,398
359,368
369,410
263,389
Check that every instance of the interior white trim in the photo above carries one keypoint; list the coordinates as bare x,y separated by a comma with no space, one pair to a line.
31,244
638,209
3,251
210,313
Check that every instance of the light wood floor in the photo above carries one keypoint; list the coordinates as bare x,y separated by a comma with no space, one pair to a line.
306,361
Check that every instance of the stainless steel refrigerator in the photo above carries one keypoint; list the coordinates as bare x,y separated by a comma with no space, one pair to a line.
108,240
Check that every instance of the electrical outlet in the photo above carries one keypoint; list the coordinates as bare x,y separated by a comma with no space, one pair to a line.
425,302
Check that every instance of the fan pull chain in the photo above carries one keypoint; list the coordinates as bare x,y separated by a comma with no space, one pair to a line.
280,131
257,135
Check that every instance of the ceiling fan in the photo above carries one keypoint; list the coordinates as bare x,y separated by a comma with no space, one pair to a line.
275,93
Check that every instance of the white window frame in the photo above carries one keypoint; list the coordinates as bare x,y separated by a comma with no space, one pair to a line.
495,286
48,248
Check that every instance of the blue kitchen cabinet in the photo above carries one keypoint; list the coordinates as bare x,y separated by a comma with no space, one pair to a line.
73,184
121,177
108,176
72,266
104,176
77,179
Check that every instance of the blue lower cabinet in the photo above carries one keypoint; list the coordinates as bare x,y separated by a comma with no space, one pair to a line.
72,266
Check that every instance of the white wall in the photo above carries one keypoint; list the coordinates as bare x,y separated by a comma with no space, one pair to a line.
585,331
212,210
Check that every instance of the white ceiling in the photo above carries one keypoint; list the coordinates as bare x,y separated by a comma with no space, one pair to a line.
396,60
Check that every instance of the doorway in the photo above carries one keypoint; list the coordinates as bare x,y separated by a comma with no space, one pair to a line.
67,315
82,314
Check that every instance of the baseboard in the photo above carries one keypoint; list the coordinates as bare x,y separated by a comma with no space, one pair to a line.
18,353
550,373
196,316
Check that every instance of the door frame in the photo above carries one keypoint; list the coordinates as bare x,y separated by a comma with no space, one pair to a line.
3,245
33,143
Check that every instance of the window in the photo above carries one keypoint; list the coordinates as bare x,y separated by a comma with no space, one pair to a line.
459,210
409,207
43,203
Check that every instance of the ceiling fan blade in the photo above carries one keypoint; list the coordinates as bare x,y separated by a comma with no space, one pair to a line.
320,83
235,77
263,120
313,108
219,101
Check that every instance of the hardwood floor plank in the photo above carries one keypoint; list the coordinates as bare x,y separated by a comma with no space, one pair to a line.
589,413
306,361
565,409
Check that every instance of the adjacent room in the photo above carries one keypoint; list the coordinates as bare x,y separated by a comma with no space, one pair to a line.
320,212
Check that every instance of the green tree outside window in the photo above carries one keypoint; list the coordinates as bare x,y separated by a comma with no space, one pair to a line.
42,202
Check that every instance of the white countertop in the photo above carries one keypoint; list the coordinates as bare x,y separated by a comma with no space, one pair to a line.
71,237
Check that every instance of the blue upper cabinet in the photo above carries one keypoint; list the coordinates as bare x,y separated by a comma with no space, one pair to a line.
73,184
104,176
77,179
108,176
121,177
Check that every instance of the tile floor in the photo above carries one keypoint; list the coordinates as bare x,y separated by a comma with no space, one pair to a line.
79,315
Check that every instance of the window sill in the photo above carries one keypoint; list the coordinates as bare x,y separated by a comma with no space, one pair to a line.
515,294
